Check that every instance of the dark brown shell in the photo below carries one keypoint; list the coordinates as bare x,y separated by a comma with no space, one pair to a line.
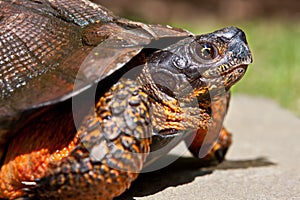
46,46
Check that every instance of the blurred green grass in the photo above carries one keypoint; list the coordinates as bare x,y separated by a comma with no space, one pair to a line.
275,72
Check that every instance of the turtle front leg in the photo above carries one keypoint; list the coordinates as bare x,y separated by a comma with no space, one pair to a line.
211,153
114,142
210,145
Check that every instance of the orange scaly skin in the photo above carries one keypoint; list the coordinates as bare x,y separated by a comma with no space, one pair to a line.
29,167
30,154
64,160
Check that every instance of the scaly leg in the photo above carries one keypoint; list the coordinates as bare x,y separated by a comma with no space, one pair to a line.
211,145
216,152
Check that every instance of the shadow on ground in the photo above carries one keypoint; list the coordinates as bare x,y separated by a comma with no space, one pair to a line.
182,171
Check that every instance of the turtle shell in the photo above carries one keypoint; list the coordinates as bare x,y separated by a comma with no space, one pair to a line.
53,50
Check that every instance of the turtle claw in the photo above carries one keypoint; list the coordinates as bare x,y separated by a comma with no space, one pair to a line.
220,154
24,198
28,189
220,148
29,183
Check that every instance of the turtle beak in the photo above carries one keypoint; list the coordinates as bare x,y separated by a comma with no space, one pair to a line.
238,46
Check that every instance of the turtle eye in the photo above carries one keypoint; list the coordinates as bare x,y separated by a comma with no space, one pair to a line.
206,51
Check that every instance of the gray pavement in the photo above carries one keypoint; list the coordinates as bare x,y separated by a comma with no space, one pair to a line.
263,162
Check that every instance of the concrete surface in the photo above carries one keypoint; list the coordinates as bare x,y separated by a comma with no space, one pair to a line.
263,162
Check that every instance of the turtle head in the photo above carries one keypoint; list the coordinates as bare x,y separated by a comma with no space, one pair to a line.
203,66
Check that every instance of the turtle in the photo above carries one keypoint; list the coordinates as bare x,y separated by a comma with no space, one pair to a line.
88,99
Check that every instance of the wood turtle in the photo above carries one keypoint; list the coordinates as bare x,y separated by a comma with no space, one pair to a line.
88,98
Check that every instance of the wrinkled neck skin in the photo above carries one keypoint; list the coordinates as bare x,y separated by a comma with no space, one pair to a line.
180,100
170,113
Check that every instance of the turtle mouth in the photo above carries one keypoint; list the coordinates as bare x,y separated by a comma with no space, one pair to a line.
240,69
220,79
225,71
